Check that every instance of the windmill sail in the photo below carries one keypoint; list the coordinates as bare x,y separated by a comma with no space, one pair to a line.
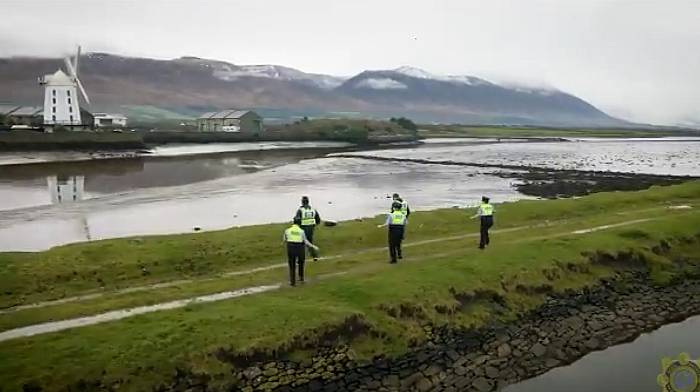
73,71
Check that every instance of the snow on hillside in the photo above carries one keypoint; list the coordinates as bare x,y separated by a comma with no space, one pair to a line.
380,84
422,74
276,72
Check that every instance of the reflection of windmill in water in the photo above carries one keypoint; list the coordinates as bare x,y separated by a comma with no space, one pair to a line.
68,189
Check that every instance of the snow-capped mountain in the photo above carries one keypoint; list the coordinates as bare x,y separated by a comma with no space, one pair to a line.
422,74
197,85
470,96
230,72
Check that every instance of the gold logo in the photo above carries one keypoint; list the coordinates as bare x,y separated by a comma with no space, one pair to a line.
679,375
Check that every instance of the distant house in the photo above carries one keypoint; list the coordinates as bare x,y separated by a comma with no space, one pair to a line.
107,120
22,115
231,120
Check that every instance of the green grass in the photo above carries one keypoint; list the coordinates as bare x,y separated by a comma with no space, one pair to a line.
112,264
143,351
457,131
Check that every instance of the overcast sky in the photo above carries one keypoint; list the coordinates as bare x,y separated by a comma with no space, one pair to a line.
639,60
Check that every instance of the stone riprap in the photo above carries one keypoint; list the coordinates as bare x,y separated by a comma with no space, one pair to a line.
562,330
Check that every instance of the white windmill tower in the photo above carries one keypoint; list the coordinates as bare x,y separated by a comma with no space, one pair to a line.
61,106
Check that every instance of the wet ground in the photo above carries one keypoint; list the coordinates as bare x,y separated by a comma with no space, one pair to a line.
176,188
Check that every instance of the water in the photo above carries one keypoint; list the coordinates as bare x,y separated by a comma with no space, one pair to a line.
656,156
628,367
177,188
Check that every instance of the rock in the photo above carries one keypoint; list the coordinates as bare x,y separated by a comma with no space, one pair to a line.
491,372
424,384
196,228
551,363
431,371
271,371
592,343
453,355
391,381
328,223
595,325
538,349
482,385
504,350
252,373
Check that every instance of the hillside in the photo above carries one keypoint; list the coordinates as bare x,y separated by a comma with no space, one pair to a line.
190,85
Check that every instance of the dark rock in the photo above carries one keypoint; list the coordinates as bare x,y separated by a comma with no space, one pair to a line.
491,372
504,350
592,343
423,384
538,350
482,385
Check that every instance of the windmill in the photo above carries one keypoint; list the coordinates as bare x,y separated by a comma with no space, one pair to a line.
61,103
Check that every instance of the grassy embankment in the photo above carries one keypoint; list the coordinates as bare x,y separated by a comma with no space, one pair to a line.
68,140
430,284
344,130
465,131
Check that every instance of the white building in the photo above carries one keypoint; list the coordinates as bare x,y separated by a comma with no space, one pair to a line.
60,100
107,120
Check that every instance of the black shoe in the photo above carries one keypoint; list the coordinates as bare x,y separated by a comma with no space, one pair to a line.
292,284
482,247
392,262
400,257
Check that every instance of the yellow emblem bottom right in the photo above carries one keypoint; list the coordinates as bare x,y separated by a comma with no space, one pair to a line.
679,375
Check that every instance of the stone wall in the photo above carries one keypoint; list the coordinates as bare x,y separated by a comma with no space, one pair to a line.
562,330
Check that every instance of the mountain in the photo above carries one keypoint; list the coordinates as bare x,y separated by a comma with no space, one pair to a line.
230,72
415,89
192,85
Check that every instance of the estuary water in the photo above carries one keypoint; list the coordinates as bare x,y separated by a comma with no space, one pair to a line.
46,201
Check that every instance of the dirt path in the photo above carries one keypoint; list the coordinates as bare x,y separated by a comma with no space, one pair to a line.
55,326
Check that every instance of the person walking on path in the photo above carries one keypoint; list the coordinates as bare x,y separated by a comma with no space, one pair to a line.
485,214
404,208
295,239
404,204
396,220
309,219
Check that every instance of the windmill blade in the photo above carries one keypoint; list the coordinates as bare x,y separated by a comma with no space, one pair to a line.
71,69
82,91
77,57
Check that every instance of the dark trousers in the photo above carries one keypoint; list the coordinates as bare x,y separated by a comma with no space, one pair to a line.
395,238
295,257
309,231
486,223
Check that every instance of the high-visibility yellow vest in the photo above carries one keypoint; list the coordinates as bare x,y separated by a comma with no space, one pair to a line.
398,218
404,207
486,209
294,234
308,216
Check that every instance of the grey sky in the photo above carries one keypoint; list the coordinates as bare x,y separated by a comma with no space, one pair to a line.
639,60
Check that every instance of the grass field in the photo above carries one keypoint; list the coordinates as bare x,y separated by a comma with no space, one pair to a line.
541,244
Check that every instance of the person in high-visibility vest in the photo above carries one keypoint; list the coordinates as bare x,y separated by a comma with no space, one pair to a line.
295,239
396,220
404,208
404,204
309,219
485,214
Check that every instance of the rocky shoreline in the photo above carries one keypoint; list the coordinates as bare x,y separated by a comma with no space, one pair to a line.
562,330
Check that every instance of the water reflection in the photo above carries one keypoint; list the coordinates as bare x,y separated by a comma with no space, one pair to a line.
66,189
